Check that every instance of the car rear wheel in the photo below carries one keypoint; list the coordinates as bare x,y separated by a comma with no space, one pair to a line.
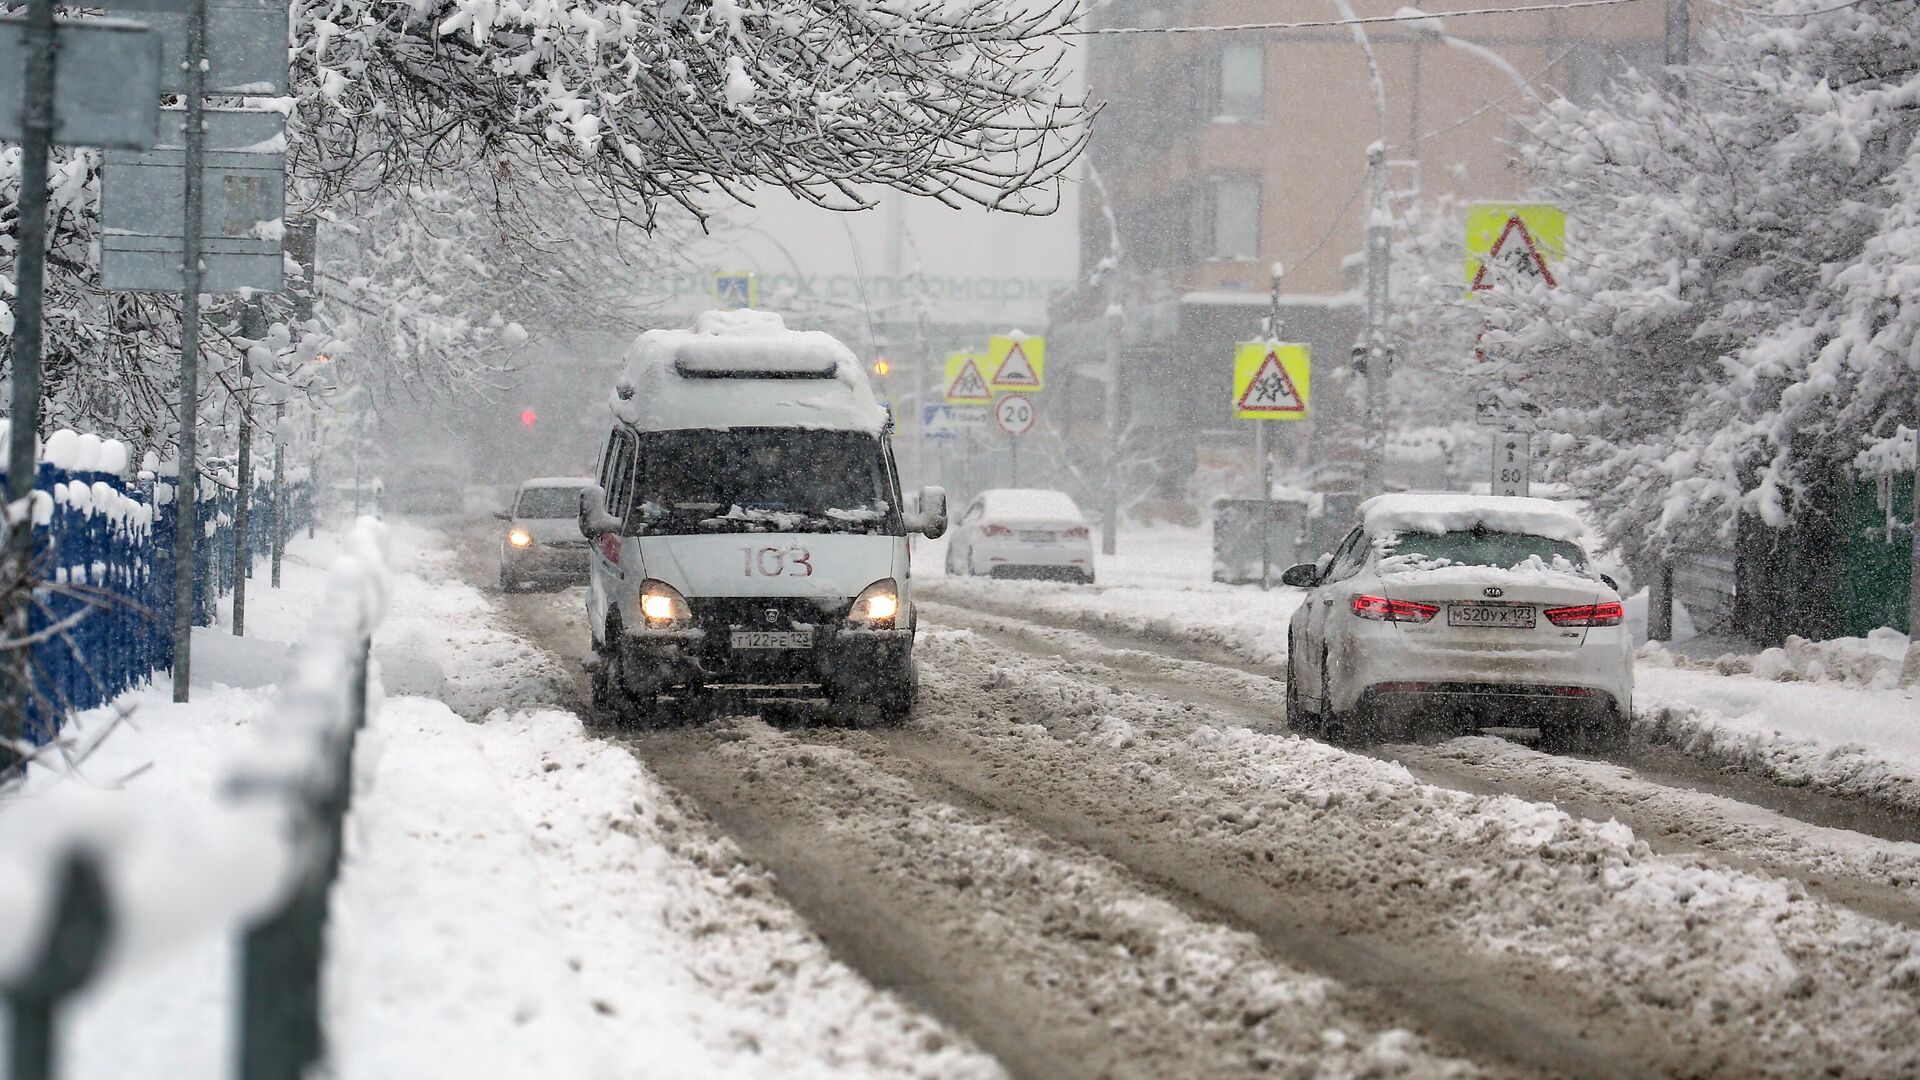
1603,734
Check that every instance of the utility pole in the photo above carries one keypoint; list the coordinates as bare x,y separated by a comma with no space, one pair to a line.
1263,438
1110,436
30,269
1116,328
186,522
1660,590
253,326
1374,356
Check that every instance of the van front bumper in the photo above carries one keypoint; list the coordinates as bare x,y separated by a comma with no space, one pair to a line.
839,660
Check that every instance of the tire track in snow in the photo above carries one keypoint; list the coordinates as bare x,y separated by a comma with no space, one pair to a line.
1677,963
1862,870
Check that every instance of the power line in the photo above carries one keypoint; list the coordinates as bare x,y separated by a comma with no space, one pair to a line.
1750,13
1425,17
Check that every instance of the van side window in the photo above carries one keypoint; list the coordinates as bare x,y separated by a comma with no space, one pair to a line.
619,482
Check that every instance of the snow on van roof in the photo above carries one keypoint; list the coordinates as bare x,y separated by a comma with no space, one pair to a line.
1439,512
745,369
557,482
1031,504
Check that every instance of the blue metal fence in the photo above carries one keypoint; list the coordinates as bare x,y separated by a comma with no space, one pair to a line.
102,612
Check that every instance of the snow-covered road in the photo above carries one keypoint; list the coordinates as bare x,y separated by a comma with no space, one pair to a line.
1095,859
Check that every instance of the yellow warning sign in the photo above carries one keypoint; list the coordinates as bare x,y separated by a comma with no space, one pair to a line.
1018,364
965,384
1270,381
1515,244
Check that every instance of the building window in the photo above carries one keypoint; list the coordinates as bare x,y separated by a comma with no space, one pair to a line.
1240,83
1226,219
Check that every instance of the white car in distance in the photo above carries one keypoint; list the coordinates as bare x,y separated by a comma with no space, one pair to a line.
1476,611
1022,532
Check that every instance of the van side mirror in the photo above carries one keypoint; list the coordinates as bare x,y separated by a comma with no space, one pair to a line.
503,515
1301,576
929,514
595,522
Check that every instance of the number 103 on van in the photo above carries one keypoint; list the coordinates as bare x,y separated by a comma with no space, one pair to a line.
793,561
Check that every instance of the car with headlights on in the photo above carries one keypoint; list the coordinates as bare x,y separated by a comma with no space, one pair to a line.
1462,611
748,527
542,544
1022,532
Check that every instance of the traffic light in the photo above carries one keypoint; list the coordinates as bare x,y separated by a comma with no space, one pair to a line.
882,367
528,418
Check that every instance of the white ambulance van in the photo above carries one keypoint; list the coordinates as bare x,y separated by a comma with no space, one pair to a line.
747,526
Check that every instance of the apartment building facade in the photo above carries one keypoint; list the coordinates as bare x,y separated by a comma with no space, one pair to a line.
1221,153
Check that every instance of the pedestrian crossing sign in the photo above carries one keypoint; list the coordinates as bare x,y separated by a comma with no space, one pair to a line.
1018,363
965,384
1515,244
1270,381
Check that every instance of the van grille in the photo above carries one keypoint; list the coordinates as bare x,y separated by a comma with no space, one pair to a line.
717,612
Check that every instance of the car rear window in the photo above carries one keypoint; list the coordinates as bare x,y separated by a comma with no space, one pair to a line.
1409,552
548,502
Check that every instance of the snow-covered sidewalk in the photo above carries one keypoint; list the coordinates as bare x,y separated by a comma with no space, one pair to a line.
519,898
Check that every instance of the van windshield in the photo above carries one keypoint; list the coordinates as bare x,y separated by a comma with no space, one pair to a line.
763,480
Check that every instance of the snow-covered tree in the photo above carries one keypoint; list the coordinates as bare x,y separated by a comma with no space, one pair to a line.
1738,319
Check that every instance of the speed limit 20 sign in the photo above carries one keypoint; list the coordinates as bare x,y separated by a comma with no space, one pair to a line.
1014,414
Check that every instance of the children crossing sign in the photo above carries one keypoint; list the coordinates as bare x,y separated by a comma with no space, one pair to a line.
965,384
1509,244
1018,363
1270,381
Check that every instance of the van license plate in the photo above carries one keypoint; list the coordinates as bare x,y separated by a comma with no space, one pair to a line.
773,639
1502,616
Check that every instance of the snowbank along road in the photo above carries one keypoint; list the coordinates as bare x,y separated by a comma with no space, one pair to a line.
1092,859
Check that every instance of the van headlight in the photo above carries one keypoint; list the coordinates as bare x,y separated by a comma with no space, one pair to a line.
520,538
877,607
662,606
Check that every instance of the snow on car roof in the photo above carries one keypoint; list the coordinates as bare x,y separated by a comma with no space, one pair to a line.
1440,512
1030,503
745,369
556,482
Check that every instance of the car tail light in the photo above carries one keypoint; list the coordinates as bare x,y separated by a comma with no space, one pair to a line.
1381,609
995,530
1078,532
1607,614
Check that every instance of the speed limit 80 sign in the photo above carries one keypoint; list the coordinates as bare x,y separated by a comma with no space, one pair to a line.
1014,413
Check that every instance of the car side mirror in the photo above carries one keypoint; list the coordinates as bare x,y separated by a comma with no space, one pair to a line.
1321,564
1610,583
1301,576
595,522
929,514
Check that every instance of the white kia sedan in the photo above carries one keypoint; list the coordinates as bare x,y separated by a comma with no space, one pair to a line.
1022,532
1474,611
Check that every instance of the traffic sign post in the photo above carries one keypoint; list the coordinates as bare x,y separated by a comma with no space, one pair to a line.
1270,380
38,107
88,110
1512,244
1512,463
242,246
735,290
1018,364
944,422
965,383
1015,415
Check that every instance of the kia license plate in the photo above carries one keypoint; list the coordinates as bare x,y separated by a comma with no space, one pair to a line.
1033,536
773,639
1499,616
